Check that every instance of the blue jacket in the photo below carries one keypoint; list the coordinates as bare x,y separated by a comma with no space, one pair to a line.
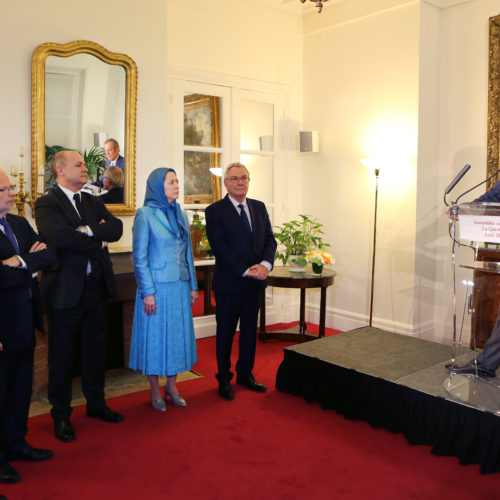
160,256
493,195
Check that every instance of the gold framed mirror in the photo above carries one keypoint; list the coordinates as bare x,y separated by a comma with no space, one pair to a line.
83,95
493,158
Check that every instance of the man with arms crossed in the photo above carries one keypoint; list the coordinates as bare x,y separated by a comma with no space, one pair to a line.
78,226
241,237
21,255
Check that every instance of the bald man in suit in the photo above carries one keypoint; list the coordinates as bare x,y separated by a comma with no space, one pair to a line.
79,227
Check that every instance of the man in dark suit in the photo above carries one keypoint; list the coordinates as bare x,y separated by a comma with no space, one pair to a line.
114,159
78,226
112,181
241,237
22,254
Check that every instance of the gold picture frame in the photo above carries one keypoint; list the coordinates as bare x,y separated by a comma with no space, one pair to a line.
493,158
200,185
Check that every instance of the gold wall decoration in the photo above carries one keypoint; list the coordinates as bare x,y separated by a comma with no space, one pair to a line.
38,131
493,161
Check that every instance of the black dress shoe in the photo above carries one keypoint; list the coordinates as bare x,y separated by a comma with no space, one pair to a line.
105,414
63,431
8,474
251,383
30,454
470,368
226,391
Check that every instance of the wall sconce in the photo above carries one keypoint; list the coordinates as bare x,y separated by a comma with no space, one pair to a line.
375,165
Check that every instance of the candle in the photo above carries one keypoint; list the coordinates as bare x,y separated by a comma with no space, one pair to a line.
13,171
21,160
41,180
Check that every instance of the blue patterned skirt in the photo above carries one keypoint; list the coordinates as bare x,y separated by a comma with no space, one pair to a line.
164,343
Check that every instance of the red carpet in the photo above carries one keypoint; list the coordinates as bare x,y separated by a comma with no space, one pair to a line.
258,446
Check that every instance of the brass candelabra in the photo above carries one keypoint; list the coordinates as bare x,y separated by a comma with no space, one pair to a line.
23,197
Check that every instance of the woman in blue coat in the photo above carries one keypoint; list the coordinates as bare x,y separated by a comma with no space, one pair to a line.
163,341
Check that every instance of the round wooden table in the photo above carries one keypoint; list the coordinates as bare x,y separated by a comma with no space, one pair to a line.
283,278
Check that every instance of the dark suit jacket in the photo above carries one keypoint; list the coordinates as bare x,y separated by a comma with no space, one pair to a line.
57,219
19,291
120,163
234,250
114,195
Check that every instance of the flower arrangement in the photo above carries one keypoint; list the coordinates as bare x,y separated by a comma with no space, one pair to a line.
298,237
320,257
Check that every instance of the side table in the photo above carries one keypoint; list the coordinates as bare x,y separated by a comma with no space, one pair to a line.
282,277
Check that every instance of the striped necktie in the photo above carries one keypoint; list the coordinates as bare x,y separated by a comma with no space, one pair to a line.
244,218
9,233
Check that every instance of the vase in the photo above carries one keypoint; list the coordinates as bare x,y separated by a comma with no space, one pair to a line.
317,268
297,268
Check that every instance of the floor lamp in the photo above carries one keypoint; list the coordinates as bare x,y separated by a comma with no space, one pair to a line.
375,166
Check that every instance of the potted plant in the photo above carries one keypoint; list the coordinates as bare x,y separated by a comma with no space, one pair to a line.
297,238
198,226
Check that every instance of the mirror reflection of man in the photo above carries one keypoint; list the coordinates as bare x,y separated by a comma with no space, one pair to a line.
114,158
22,253
78,225
112,181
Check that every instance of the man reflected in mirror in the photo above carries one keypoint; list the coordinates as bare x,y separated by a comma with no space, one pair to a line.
112,181
114,158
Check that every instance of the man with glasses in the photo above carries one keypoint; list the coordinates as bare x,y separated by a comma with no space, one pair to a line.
241,237
22,254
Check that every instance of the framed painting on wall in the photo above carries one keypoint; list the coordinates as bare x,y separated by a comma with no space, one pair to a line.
201,130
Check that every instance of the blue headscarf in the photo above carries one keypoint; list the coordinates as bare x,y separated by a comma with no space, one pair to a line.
156,198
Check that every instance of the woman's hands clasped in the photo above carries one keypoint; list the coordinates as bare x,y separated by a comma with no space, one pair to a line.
149,304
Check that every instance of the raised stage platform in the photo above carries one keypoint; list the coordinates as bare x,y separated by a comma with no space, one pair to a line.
400,383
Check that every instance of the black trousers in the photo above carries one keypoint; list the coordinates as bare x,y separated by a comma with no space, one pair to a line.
16,376
84,324
240,304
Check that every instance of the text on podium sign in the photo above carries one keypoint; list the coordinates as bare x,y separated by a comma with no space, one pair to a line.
485,228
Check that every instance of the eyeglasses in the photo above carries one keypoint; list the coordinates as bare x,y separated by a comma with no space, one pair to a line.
8,188
243,178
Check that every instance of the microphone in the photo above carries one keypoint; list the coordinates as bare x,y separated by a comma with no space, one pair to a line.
457,179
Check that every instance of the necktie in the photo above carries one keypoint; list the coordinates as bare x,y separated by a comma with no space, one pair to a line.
244,218
9,233
79,207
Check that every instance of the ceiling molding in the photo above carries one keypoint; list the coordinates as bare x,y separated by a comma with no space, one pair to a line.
444,4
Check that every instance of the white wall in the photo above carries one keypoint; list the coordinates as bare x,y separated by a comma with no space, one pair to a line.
463,104
244,44
114,24
361,93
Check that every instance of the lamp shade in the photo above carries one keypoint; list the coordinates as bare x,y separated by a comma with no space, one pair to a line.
372,163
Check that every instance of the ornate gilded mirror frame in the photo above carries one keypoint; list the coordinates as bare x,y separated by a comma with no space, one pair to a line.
493,161
38,60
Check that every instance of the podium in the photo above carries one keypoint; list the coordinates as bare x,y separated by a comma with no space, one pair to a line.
477,226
